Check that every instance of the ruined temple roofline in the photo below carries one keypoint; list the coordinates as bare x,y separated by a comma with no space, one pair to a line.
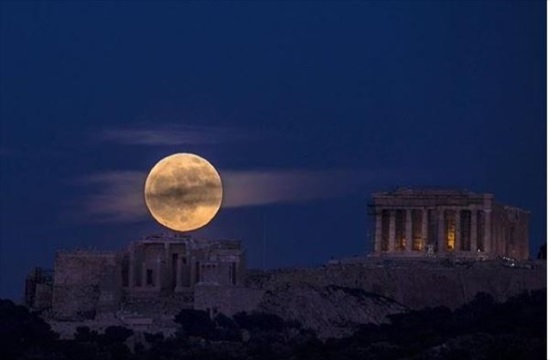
512,208
423,192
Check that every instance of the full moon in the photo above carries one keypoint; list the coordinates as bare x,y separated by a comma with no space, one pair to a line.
183,192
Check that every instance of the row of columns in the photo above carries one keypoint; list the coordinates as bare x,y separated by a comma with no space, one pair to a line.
441,236
158,270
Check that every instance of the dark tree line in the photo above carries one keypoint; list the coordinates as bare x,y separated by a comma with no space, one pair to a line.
481,329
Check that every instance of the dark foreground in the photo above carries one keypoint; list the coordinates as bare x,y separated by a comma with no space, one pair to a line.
481,329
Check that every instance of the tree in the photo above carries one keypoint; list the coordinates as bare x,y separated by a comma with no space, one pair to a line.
227,329
112,341
117,334
21,331
259,321
195,323
542,252
83,333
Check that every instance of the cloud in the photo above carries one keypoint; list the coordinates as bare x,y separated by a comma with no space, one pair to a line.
254,188
115,196
118,196
171,135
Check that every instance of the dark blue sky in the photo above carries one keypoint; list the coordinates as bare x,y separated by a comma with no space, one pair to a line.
306,107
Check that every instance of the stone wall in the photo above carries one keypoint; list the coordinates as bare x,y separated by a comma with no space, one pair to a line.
86,283
227,299
331,311
154,305
39,289
510,227
43,297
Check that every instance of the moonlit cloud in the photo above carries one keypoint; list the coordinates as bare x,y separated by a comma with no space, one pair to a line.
254,188
118,196
171,135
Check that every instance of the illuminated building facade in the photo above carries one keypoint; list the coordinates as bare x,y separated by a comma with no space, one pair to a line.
408,222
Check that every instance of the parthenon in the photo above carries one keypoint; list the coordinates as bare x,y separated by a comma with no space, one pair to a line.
416,222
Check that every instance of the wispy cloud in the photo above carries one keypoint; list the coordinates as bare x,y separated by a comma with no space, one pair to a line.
170,135
118,196
115,196
256,187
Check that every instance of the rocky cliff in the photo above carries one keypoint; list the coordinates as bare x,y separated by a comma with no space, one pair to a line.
329,310
333,299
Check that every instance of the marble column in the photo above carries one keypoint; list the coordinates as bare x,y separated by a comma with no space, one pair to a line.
441,239
167,268
473,231
157,283
424,228
178,274
487,235
408,230
192,268
378,232
391,240
458,231
131,269
166,252
144,276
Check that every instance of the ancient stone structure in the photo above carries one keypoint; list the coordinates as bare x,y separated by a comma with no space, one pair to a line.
408,222
162,275
38,289
153,276
177,263
86,282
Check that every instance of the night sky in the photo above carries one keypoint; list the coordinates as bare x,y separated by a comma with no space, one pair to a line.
306,108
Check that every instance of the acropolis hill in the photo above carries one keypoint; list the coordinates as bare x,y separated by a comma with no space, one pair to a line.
431,248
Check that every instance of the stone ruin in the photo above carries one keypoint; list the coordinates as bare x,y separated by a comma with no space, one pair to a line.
154,277
38,289
408,222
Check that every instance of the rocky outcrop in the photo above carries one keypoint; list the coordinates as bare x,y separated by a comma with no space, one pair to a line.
334,299
331,311
414,283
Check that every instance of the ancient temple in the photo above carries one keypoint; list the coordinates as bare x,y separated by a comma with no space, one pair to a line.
159,273
177,263
415,222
